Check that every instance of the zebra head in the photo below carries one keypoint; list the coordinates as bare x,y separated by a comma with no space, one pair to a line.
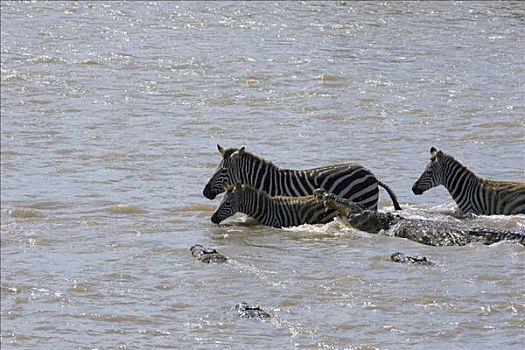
226,174
433,174
229,205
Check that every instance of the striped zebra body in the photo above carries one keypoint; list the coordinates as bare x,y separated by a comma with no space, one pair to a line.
471,193
350,181
272,211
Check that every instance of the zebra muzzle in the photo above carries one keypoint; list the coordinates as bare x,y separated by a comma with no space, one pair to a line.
208,193
215,219
417,191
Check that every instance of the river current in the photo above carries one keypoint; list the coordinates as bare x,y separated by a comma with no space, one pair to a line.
110,117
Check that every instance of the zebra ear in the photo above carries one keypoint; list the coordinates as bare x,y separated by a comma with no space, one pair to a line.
237,153
433,153
221,150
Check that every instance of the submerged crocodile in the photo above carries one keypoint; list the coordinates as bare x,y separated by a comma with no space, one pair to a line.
207,255
407,259
429,232
251,311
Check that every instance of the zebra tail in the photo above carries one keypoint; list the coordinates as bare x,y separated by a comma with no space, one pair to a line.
391,194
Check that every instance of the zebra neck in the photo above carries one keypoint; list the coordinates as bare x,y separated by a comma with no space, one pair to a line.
256,205
461,183
265,176
256,172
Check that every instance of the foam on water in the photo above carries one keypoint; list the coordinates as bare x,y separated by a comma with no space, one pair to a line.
25,213
126,209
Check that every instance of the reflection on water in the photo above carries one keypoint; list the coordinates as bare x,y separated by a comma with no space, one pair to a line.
111,113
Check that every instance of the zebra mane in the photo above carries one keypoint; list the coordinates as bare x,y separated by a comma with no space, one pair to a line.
254,190
228,152
488,182
447,158
247,188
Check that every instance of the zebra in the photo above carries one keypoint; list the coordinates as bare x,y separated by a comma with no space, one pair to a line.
471,193
350,181
272,211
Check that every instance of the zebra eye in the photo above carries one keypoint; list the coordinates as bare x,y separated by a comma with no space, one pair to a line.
429,172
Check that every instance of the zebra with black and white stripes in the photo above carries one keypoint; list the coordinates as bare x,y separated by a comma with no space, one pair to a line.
471,193
350,181
272,211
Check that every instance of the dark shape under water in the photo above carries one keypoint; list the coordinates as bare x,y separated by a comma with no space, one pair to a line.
207,255
407,259
251,311
429,232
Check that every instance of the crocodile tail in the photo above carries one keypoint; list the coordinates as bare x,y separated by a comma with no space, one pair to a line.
391,194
